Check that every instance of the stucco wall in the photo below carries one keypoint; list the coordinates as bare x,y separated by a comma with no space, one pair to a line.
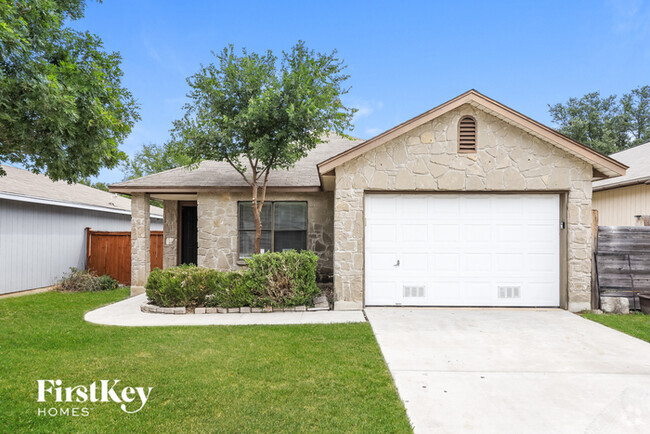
426,159
218,236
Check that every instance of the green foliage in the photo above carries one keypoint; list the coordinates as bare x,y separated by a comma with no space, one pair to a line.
178,286
63,109
606,124
107,283
229,289
273,279
260,114
283,278
154,159
85,281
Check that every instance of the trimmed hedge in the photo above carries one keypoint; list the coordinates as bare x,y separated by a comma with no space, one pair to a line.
283,279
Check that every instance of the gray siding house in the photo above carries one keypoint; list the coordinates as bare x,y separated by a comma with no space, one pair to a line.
42,227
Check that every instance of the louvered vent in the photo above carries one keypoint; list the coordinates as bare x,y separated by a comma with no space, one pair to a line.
467,134
509,292
413,291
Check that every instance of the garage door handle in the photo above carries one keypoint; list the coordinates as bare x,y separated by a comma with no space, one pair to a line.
397,264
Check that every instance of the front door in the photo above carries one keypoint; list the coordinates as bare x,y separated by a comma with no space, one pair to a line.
189,240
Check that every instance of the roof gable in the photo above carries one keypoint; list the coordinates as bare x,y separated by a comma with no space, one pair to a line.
606,166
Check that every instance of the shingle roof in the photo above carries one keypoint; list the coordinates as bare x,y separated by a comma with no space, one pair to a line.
638,160
221,174
25,184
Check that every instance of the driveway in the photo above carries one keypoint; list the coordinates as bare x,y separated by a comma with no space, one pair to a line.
500,370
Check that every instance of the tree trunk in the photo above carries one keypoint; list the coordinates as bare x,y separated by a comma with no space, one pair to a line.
258,221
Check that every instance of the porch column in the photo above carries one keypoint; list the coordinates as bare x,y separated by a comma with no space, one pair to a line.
140,242
170,233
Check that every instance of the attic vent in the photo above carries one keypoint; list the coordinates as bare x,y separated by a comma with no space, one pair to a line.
467,134
509,292
413,291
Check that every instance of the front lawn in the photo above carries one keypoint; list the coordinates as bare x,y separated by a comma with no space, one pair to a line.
239,378
635,324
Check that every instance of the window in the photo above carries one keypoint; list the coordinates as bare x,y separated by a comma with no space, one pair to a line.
284,227
467,134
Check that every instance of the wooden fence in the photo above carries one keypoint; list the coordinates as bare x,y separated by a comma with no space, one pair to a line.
110,253
623,261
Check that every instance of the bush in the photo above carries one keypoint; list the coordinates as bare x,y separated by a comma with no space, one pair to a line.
283,279
85,281
178,286
229,289
273,279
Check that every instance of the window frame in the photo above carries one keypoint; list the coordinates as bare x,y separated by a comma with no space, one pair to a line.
272,203
468,151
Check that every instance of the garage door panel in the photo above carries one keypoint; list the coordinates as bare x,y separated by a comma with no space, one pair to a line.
460,249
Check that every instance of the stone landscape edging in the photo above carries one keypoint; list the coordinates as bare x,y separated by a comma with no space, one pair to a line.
150,308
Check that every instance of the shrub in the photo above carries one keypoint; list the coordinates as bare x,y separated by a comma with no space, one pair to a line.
85,281
283,279
106,283
178,286
229,289
273,279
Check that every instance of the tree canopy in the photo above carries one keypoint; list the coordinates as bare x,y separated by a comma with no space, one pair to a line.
63,108
260,113
154,158
606,124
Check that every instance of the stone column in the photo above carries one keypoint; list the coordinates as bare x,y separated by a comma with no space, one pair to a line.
140,242
170,233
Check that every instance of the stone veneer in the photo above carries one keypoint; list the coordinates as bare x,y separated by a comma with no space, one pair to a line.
218,235
140,241
426,159
170,233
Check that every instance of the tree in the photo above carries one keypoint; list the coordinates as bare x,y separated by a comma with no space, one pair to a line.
636,113
592,121
154,158
63,109
260,114
606,124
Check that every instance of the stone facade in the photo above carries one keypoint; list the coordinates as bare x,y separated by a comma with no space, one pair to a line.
170,233
218,235
426,159
140,242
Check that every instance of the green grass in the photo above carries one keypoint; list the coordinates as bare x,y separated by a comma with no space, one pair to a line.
327,378
635,324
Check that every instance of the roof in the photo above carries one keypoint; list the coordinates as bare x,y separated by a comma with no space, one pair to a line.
638,160
217,174
606,166
23,185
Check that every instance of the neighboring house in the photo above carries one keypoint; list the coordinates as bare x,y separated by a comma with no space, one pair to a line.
42,226
468,204
620,200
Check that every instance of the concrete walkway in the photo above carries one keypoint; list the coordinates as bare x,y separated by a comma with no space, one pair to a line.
127,313
523,371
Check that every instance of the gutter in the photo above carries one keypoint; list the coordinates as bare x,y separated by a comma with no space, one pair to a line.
637,181
41,201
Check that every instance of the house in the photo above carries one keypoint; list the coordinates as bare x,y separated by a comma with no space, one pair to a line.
42,226
621,200
468,204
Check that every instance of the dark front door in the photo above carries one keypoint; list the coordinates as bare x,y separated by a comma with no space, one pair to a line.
189,242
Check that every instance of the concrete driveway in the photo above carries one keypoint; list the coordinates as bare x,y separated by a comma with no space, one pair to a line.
498,370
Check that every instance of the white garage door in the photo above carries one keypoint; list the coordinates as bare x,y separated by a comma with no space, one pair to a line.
462,250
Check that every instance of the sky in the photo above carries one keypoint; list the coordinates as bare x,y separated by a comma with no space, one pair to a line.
403,58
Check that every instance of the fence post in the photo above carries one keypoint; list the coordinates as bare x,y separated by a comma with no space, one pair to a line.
595,296
87,247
